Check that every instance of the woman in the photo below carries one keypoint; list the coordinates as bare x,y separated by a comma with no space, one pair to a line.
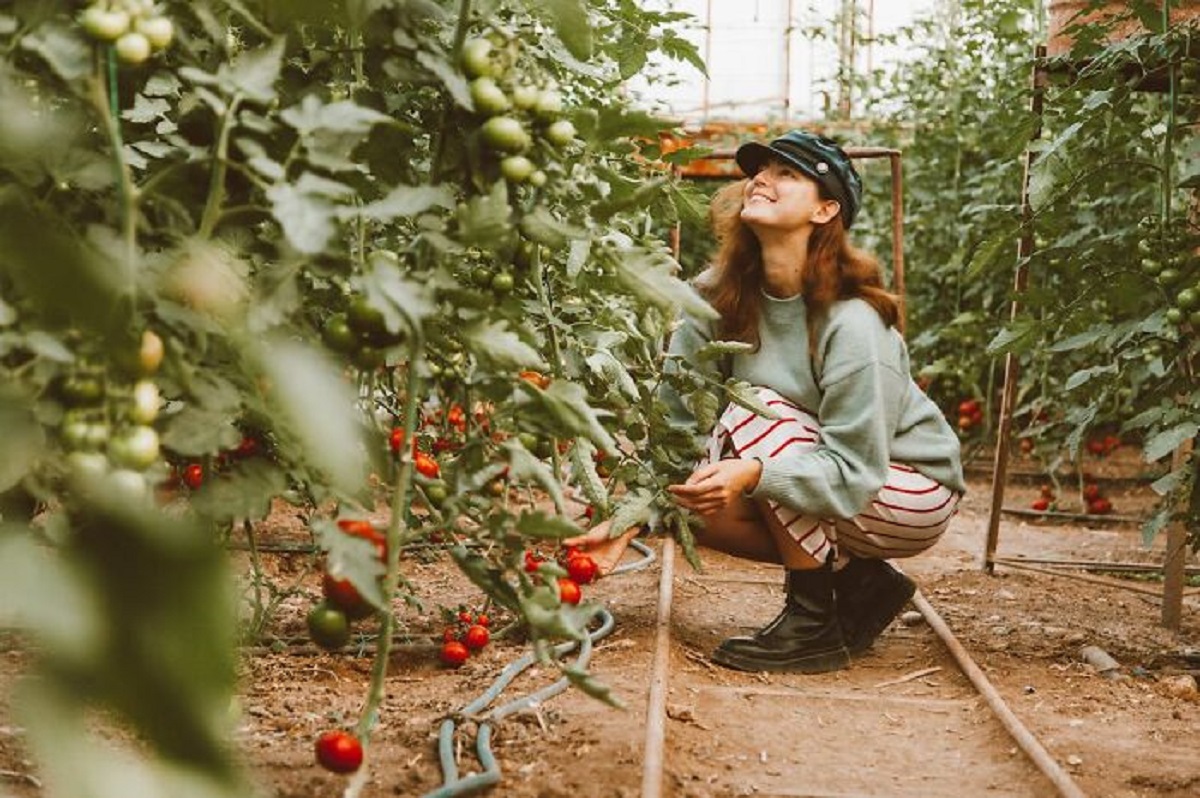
859,465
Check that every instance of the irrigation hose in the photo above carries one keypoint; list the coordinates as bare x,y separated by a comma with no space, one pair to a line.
452,785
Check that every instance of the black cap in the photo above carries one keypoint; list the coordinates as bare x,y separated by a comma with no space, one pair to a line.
816,156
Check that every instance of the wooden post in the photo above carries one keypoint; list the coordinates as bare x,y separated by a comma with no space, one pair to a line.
1175,560
1008,396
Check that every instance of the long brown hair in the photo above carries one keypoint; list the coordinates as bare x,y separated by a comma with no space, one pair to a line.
833,269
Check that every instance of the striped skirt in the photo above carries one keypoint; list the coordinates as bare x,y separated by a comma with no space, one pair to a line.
907,516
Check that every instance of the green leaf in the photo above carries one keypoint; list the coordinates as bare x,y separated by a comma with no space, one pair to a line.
652,279
591,686
1168,484
606,366
403,201
253,73
308,219
243,492
1084,376
351,557
633,509
1013,338
196,431
540,526
715,350
500,345
486,220
1167,441
316,407
564,408
61,46
542,226
523,466
583,470
742,393
450,76
570,21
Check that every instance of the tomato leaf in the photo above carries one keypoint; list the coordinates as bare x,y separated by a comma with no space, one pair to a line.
540,526
253,73
570,21
633,509
406,201
243,492
62,48
500,345
1167,441
651,277
524,466
583,469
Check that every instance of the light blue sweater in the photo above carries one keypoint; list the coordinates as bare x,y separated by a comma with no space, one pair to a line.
869,408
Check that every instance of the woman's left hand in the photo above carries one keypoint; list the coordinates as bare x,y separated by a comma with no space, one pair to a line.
713,487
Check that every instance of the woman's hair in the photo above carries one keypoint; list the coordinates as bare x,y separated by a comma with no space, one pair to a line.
833,269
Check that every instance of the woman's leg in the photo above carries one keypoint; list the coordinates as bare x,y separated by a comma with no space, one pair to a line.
741,531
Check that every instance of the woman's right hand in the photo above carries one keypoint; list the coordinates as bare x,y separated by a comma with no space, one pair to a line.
605,551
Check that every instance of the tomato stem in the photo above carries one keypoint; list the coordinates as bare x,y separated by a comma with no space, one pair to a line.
216,188
105,95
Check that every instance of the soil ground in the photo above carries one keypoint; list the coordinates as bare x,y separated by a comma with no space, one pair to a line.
902,721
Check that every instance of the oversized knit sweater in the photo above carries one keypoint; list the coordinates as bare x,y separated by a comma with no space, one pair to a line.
861,391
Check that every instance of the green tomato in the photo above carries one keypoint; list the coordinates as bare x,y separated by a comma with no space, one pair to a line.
502,282
136,448
1151,266
437,493
126,484
75,432
1188,299
561,133
337,334
87,465
516,168
365,319
477,58
150,352
481,276
488,98
132,48
505,134
549,105
79,390
328,627
1169,276
1174,316
158,31
368,358
538,179
146,402
104,24
97,435
1194,319
525,97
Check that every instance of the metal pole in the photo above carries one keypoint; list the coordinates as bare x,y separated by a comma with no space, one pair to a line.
787,64
708,30
1011,366
898,232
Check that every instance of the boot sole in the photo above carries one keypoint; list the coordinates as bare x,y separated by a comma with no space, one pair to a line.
812,663
893,603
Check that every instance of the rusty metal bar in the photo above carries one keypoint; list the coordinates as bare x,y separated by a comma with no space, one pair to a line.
653,762
1008,395
1023,737
898,234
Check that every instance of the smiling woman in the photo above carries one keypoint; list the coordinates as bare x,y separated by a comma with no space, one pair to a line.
852,464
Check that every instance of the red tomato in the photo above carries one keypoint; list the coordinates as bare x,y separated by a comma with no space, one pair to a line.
965,422
532,561
1047,492
248,447
362,528
476,637
456,418
1041,505
568,590
1100,506
193,476
396,440
483,620
536,379
339,751
1095,446
454,653
345,596
968,407
464,616
1091,492
426,466
582,568
449,634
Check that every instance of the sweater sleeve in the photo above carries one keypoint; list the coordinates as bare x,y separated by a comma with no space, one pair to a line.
860,405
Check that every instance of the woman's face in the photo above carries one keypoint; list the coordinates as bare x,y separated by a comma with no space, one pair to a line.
781,197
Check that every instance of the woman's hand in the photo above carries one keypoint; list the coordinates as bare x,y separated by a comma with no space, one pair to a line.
713,487
600,547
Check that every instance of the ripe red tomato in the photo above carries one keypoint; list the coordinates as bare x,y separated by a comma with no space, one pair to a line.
968,407
582,568
193,476
568,590
248,447
342,594
426,466
476,637
1047,492
454,653
339,752
362,528
1091,492
449,634
532,561
483,620
1095,446
536,379
396,440
455,417
1041,505
1100,506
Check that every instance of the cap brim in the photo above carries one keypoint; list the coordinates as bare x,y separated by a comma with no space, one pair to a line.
752,155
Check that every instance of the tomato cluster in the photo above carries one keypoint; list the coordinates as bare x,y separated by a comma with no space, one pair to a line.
1044,501
970,414
330,621
133,27
361,332
468,634
1103,446
1095,500
581,570
1168,255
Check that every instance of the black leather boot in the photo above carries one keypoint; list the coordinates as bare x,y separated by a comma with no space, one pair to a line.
871,593
805,638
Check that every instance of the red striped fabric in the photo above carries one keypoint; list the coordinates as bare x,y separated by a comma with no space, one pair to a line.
908,515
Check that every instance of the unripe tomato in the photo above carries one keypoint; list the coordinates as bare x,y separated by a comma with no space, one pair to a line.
437,493
489,99
568,590
477,58
339,752
337,335
136,448
126,484
87,465
561,133
364,318
505,134
582,568
538,179
476,637
146,401
104,24
328,627
133,48
158,31
525,96
454,653
150,352
516,168
502,282
549,105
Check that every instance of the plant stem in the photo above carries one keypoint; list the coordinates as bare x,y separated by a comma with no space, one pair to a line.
107,101
395,538
216,187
